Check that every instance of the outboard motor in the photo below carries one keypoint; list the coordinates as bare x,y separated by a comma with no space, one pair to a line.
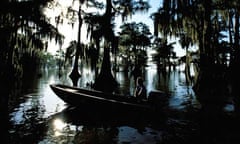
158,99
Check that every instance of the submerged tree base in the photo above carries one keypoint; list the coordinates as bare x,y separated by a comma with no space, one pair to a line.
105,81
75,75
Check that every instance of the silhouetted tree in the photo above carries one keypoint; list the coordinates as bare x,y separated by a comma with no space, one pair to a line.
134,39
22,27
164,52
201,22
186,42
124,8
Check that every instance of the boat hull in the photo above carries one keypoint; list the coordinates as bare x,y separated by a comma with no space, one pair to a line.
79,97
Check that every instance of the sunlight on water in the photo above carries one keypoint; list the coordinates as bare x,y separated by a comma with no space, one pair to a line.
51,102
151,77
58,124
229,108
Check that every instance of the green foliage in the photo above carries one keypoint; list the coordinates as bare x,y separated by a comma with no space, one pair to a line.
126,8
135,35
23,29
198,22
133,39
164,50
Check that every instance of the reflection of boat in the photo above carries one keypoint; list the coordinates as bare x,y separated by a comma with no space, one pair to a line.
81,116
78,125
93,99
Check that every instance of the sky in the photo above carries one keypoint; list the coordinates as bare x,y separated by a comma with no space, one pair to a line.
71,33
145,17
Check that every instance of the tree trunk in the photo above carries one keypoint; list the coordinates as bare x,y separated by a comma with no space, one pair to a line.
211,84
105,81
4,119
187,68
6,82
75,75
235,77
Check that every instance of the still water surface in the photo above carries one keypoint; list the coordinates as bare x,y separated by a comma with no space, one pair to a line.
41,117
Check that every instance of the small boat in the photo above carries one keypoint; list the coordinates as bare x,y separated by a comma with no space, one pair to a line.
79,97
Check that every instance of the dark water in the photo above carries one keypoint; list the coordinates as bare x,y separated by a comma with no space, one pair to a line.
41,117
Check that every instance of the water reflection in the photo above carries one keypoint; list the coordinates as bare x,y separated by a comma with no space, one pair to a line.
58,124
40,116
106,127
